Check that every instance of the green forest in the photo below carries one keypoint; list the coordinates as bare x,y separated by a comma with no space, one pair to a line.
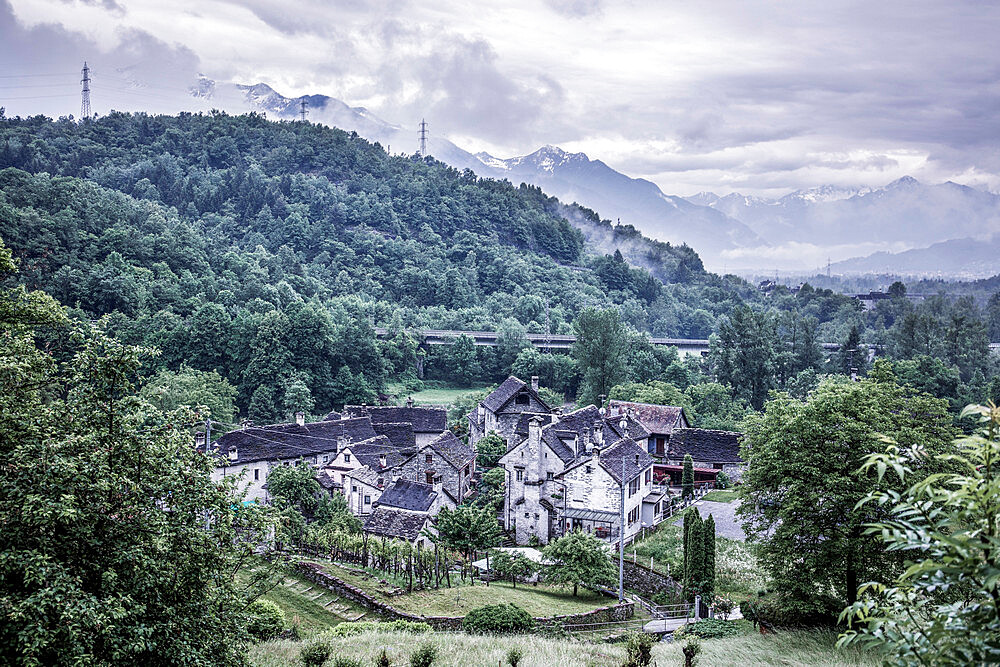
260,256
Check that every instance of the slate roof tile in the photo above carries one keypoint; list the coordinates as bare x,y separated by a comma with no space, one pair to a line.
706,445
285,441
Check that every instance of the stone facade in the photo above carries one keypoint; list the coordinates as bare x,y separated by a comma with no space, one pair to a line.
429,466
501,410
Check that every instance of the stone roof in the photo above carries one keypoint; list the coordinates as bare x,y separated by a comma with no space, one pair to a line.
521,427
506,391
326,481
636,458
333,415
424,419
408,495
286,441
581,420
399,434
454,451
657,418
394,522
706,445
366,475
370,452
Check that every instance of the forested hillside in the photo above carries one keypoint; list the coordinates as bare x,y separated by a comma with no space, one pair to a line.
266,253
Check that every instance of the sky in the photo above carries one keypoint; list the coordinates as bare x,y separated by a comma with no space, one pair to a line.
716,95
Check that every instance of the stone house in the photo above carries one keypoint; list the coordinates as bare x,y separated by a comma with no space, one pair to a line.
376,453
501,410
362,488
594,487
254,451
446,459
405,510
660,420
712,451
535,491
425,422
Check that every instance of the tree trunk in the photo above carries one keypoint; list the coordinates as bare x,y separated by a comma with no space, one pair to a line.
574,590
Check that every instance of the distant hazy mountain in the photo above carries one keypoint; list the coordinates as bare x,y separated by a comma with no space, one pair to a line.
959,258
575,177
904,212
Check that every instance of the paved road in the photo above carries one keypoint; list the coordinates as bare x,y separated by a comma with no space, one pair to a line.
726,524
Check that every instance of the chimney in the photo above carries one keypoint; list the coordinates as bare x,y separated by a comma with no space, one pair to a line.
534,383
624,426
233,455
300,418
199,439
534,449
598,434
409,402
246,423
382,460
587,444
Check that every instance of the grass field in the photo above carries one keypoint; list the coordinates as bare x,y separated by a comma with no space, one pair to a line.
434,395
459,600
461,650
719,496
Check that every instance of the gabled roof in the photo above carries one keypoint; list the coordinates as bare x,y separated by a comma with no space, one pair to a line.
333,415
707,445
424,419
575,422
394,522
521,427
657,418
453,450
366,475
636,460
506,391
399,434
408,495
286,441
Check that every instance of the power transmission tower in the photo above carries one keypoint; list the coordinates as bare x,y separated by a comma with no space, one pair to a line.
303,109
423,138
85,93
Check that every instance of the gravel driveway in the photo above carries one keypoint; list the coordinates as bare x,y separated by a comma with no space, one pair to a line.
726,523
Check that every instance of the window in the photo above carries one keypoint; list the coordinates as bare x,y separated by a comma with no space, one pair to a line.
549,475
354,488
633,516
347,458
522,399
429,477
649,476
368,499
661,446
256,474
519,474
429,458
633,487
466,469
526,515
590,469
285,463
326,458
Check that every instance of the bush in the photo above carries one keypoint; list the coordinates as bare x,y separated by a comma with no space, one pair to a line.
776,610
638,650
723,606
514,656
722,481
315,653
361,627
709,628
265,620
498,619
423,656
346,662
383,660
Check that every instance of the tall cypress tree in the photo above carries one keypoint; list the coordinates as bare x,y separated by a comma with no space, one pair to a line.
688,519
687,477
708,580
696,557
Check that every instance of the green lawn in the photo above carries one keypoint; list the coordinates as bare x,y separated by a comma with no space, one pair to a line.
718,496
737,574
434,396
461,650
541,600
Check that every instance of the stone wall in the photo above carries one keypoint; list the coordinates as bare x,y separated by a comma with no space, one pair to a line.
646,582
318,575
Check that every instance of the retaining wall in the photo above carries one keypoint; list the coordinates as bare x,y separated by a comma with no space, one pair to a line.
318,575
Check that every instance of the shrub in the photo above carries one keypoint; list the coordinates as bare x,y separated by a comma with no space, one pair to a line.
423,656
691,649
722,481
723,606
265,620
361,627
638,650
777,610
709,628
498,619
514,656
315,653
383,660
346,662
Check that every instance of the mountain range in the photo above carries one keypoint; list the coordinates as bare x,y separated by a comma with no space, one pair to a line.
904,227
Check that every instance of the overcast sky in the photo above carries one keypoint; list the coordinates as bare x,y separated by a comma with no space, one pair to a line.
724,95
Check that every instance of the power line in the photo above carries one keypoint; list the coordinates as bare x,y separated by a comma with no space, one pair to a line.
31,76
37,97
